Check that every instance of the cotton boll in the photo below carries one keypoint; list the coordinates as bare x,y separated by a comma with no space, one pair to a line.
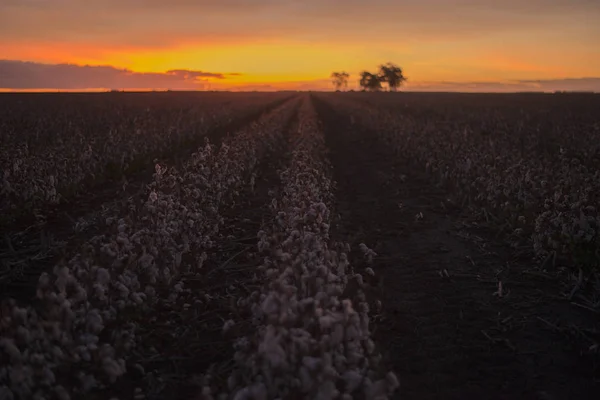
351,333
312,363
327,391
228,325
353,379
6,393
392,381
9,347
113,369
61,393
103,276
47,376
138,298
306,380
23,335
359,279
94,322
258,391
88,382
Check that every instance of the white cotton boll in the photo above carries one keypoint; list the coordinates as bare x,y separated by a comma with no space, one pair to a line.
273,352
228,325
113,368
23,334
80,294
353,380
306,380
231,383
44,280
370,346
178,287
123,290
57,352
172,298
84,354
270,305
6,393
88,382
243,394
107,351
258,391
392,381
61,393
22,377
327,391
370,271
377,390
36,359
94,323
47,376
351,333
312,363
359,279
9,347
150,292
337,335
100,291
326,322
347,307
138,298
103,276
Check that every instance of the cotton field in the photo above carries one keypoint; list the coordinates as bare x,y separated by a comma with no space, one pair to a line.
299,246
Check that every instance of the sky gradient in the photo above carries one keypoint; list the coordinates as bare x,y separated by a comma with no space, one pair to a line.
463,45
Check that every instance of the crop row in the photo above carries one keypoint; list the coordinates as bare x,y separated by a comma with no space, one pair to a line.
78,334
311,337
544,197
536,125
52,146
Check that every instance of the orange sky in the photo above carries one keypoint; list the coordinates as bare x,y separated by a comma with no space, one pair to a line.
291,44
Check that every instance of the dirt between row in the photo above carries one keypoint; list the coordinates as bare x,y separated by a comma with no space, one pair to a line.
448,328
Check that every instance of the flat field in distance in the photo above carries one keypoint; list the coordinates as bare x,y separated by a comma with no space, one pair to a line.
300,245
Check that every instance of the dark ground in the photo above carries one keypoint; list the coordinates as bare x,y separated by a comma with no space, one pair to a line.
452,336
444,329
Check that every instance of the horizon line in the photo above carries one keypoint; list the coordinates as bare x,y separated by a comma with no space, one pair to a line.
115,91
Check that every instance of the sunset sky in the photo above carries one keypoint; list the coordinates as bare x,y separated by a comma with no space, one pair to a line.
465,45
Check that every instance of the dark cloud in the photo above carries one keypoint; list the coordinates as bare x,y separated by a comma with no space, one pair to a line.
188,74
525,85
31,75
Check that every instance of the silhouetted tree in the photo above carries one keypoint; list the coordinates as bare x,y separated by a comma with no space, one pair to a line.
340,79
392,74
369,81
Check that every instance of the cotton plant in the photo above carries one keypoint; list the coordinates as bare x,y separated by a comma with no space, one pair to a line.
75,150
540,187
310,341
117,278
